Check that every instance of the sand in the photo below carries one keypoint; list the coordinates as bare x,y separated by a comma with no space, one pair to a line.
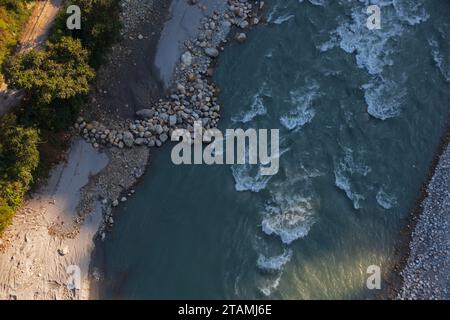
32,267
183,25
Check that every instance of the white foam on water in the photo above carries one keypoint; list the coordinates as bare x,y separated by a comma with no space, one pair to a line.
345,169
280,19
349,164
303,112
274,263
442,61
315,2
370,47
248,178
271,286
373,49
283,19
257,109
384,98
385,200
289,217
343,183
272,13
411,11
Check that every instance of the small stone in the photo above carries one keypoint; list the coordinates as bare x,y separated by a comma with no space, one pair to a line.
186,58
139,141
172,120
243,24
163,137
241,37
63,251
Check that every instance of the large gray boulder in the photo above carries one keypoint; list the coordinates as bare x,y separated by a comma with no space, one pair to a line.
212,52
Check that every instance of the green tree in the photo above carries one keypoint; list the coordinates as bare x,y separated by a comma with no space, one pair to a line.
59,72
100,26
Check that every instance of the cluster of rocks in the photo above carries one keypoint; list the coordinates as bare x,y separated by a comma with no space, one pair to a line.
130,16
193,96
427,272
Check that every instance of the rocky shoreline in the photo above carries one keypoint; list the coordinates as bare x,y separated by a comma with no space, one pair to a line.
415,272
193,95
426,271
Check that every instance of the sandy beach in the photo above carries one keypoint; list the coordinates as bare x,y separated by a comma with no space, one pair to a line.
45,238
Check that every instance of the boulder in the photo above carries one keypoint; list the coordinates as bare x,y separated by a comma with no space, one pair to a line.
128,139
241,37
186,58
139,141
243,24
212,52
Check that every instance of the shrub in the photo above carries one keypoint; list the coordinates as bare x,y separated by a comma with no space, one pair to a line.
13,15
19,157
6,215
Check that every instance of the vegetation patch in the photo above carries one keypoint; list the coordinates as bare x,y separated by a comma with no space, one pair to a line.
13,15
56,82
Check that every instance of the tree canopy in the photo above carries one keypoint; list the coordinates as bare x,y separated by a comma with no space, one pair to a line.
59,72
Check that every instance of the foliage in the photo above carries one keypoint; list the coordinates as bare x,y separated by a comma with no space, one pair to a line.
6,215
99,26
13,15
59,72
19,157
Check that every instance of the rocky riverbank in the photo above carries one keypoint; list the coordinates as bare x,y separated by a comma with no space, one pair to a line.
426,274
54,230
193,95
37,255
